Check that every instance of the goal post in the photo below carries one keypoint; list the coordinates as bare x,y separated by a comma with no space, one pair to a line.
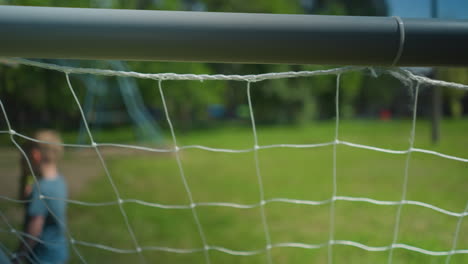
85,33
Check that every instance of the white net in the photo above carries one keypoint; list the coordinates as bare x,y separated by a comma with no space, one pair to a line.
406,77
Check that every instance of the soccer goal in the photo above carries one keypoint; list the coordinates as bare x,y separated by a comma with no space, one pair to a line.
373,46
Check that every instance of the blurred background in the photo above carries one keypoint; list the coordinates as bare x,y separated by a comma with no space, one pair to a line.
375,110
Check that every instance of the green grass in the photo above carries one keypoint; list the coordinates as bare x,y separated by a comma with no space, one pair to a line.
288,173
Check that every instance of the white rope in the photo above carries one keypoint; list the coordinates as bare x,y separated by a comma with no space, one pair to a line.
405,180
13,200
439,154
402,75
455,236
334,185
106,170
182,77
184,179
254,205
262,250
405,76
427,81
259,178
215,149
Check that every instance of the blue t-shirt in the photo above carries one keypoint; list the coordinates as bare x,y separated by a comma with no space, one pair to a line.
55,247
3,257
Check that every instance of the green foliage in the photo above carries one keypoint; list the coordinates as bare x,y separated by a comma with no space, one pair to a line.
171,5
55,3
350,86
257,6
35,88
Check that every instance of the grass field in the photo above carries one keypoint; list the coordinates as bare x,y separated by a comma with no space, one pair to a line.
287,173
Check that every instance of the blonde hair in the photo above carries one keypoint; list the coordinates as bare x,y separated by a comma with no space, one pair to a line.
51,151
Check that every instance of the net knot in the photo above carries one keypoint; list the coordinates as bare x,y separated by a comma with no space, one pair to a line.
12,132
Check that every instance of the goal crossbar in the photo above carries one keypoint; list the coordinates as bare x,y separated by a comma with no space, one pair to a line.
86,33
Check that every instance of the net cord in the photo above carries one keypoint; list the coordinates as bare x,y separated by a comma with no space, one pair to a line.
403,75
184,179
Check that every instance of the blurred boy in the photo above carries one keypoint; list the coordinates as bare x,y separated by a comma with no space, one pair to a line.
45,216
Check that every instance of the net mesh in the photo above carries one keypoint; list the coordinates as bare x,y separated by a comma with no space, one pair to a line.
408,78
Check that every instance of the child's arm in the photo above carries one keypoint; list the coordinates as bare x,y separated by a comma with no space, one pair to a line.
36,214
34,230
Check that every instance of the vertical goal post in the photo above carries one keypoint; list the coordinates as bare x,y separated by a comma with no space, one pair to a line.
86,33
